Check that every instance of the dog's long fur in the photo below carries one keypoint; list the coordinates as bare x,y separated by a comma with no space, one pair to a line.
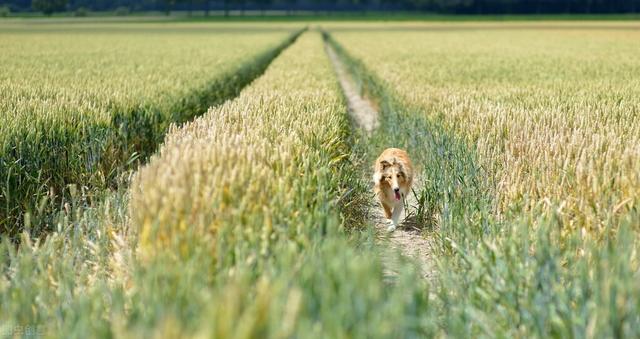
393,176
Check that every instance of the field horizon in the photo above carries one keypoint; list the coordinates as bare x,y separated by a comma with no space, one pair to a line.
308,16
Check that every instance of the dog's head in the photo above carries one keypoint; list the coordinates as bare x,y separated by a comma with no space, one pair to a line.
392,174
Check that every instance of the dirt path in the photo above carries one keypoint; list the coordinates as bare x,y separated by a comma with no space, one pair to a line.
407,239
361,110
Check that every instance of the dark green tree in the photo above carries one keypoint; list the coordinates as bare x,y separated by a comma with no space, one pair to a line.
425,4
225,5
240,3
320,3
263,4
189,4
206,7
48,7
168,6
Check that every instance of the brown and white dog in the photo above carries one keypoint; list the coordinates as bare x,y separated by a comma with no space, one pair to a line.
393,176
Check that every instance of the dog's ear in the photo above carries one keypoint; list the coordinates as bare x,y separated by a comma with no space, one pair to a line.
385,164
402,172
377,177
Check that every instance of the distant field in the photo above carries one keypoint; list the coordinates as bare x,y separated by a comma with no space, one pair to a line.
252,217
79,101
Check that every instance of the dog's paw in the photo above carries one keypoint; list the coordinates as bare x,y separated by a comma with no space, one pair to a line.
391,228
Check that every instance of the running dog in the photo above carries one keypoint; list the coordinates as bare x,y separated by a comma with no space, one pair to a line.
393,176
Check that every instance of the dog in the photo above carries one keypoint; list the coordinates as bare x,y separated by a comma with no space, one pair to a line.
393,176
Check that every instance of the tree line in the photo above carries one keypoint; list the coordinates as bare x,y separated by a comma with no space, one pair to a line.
290,6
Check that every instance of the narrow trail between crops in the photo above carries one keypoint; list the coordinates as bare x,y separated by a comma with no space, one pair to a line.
407,239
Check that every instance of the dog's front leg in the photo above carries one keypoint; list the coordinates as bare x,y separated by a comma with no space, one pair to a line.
387,210
395,216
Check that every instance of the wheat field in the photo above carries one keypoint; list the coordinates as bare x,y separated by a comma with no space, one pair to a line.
550,110
529,142
248,215
83,103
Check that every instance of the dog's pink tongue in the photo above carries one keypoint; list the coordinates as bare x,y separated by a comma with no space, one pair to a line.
397,195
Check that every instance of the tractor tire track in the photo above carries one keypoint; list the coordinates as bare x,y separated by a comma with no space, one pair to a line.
406,239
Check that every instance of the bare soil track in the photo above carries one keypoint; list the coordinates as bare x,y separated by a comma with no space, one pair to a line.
407,239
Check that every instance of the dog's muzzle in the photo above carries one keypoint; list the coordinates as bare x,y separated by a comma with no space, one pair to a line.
396,191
